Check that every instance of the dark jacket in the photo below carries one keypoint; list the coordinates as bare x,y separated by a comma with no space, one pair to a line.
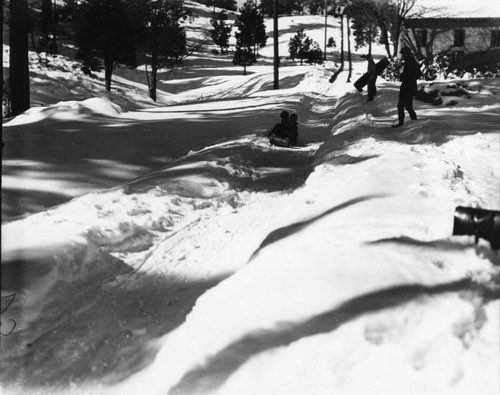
371,70
411,73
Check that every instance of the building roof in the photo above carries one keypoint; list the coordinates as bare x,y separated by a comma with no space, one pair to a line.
435,23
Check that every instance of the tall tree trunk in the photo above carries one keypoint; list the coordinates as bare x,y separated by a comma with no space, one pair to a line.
154,79
19,62
370,40
147,76
342,42
46,20
1,71
154,72
53,47
398,35
384,37
276,60
349,49
108,72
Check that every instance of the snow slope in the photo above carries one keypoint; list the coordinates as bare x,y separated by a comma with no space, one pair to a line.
203,260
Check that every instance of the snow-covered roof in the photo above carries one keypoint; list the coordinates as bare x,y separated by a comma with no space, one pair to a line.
460,9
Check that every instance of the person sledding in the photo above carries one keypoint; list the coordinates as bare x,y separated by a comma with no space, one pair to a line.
283,134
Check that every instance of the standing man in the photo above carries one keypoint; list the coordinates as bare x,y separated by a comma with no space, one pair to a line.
411,73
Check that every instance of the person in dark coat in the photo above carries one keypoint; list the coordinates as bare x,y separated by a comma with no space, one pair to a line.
372,77
411,73
281,129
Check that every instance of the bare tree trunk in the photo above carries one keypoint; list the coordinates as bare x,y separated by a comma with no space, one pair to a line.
154,76
384,34
349,50
46,21
341,42
53,47
326,28
108,72
1,71
154,71
370,40
19,62
276,62
147,77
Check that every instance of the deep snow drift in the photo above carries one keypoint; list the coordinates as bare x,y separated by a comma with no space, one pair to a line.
223,265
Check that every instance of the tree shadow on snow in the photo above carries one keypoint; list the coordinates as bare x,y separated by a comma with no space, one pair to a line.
100,328
461,243
221,366
289,230
107,151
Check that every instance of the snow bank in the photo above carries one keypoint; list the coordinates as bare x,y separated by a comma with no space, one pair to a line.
68,110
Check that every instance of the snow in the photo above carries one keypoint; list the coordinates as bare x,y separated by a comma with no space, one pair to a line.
461,9
168,248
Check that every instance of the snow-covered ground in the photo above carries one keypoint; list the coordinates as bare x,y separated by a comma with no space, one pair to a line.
187,256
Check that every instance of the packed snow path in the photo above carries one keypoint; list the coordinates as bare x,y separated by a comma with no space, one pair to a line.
323,267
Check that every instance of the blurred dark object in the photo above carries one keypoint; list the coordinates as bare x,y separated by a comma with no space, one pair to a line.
481,223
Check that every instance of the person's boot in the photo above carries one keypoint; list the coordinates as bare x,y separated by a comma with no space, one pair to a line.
481,223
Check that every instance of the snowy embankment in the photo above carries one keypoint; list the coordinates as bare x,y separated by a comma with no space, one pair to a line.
239,268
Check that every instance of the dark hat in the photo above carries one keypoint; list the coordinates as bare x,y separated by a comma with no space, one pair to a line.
405,50
284,114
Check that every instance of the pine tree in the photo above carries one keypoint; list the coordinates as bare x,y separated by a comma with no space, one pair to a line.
243,57
163,38
295,45
304,48
104,32
364,23
221,31
19,61
251,28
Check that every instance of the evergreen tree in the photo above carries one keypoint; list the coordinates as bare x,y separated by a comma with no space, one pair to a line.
315,54
221,31
104,31
315,6
252,30
48,24
19,61
364,23
304,48
244,57
163,37
296,45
